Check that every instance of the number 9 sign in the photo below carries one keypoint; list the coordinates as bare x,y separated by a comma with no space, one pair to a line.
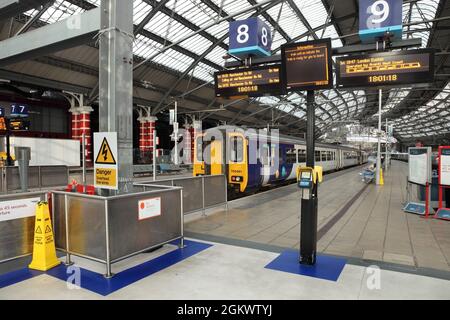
377,17
250,37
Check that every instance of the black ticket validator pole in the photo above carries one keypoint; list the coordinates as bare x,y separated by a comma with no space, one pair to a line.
308,229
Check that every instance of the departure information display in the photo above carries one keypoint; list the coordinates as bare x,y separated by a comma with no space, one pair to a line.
307,65
19,125
2,124
253,82
386,69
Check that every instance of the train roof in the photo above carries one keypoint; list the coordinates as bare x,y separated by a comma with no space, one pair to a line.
285,139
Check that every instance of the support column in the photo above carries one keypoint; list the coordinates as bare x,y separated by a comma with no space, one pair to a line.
116,82
197,126
188,140
142,137
84,127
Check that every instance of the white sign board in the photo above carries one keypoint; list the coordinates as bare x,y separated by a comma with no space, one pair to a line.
444,167
149,208
419,161
106,174
18,209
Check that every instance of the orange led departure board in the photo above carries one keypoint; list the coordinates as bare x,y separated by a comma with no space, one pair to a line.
386,69
307,65
2,124
253,82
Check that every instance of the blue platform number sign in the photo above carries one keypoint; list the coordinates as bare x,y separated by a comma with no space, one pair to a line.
377,17
19,110
2,112
250,37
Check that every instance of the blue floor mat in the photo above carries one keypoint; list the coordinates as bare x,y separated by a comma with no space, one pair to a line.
97,283
326,267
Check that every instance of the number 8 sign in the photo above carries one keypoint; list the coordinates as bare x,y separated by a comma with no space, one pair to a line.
377,17
250,37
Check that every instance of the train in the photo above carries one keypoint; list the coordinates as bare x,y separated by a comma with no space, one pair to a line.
252,164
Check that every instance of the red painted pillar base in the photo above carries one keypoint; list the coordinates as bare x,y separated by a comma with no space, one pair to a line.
151,127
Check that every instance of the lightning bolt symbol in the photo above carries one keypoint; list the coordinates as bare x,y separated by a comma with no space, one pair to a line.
105,152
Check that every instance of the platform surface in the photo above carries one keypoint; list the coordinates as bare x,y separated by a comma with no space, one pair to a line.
355,220
229,272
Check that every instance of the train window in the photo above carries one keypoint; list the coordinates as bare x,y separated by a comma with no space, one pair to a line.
200,149
237,149
318,156
291,156
301,156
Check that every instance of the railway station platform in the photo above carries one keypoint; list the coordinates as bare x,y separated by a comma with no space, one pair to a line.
228,254
363,222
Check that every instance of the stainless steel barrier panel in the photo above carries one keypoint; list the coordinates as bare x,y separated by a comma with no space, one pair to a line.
13,178
16,235
38,178
55,176
199,193
215,191
108,229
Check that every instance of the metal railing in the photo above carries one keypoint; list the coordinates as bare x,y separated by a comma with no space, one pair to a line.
200,193
39,177
107,229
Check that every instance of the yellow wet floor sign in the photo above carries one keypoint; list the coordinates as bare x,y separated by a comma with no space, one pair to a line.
44,252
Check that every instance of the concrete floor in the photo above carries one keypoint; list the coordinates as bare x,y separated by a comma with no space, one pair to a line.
355,220
229,272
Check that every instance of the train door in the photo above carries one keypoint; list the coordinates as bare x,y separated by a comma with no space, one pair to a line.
339,159
214,157
238,175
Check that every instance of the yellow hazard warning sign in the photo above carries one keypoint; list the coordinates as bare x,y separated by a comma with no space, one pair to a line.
105,165
44,252
105,154
105,177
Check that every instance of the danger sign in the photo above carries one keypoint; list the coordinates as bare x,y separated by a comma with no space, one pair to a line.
105,166
105,155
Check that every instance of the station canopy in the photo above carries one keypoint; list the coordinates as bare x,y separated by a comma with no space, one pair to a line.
197,33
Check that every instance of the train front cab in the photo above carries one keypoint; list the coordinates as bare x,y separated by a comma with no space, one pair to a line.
238,162
210,159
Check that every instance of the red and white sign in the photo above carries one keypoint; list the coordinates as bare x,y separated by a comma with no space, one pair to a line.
444,166
18,209
149,208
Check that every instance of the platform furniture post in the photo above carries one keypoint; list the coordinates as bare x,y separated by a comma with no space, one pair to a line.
154,154
108,274
203,197
66,215
308,232
182,220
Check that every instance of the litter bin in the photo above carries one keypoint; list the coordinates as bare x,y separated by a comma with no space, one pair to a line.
23,157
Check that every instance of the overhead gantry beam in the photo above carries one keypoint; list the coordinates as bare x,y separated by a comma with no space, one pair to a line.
11,8
74,31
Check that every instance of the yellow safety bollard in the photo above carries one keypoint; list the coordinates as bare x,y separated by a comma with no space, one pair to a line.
381,177
44,252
